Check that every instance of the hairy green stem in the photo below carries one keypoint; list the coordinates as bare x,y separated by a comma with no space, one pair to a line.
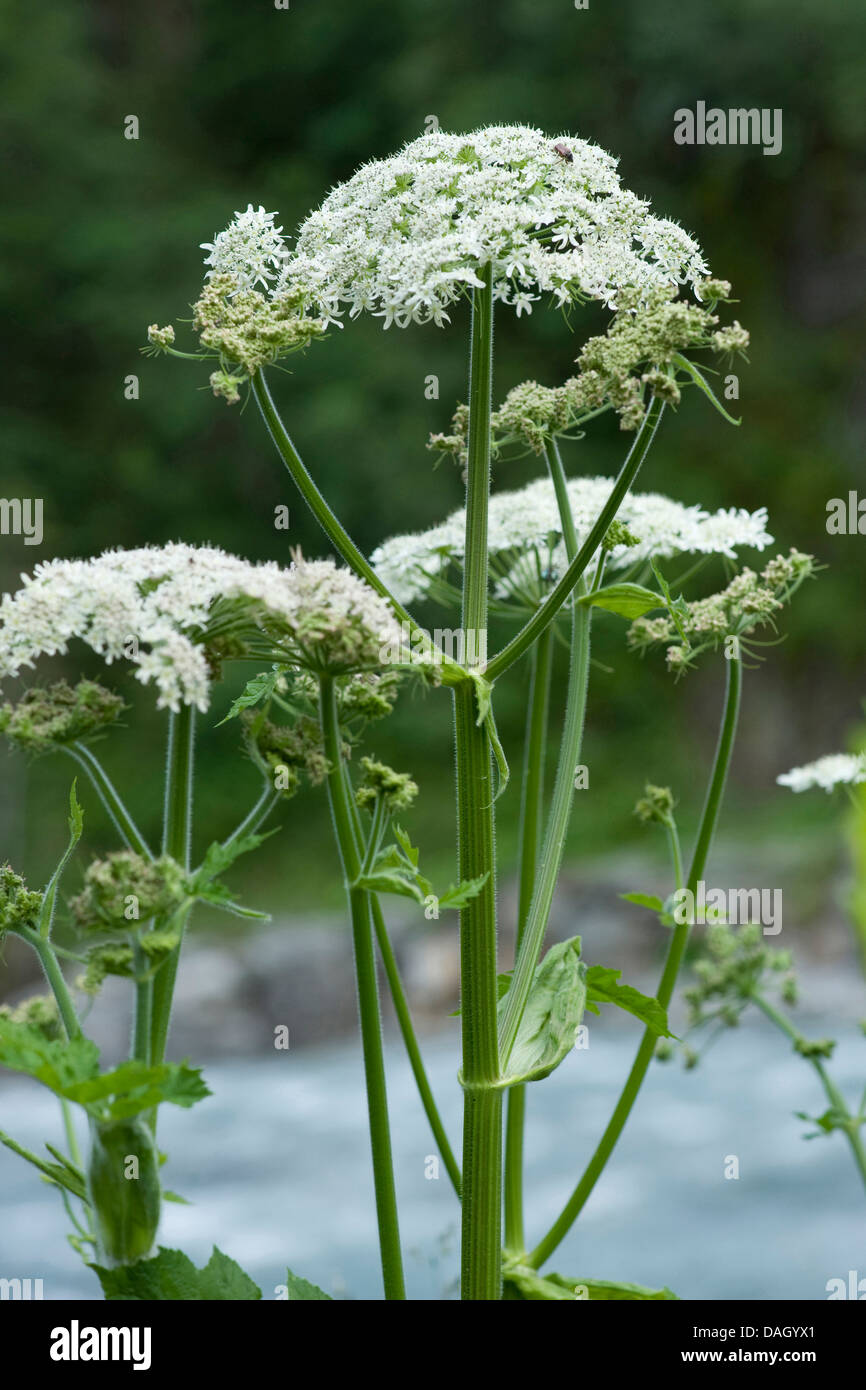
670,971
481,1244
368,998
176,833
532,798
54,976
549,609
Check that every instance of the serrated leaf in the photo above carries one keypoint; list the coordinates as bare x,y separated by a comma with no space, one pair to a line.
553,1013
302,1290
171,1275
57,1063
410,851
398,881
458,895
602,987
648,900
256,689
629,600
70,1068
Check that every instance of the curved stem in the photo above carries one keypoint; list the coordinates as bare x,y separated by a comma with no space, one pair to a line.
368,999
176,833
400,1001
333,529
544,615
110,798
404,1019
256,816
481,1246
54,975
831,1090
530,834
538,915
673,961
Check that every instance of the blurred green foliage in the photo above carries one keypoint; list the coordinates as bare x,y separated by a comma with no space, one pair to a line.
238,104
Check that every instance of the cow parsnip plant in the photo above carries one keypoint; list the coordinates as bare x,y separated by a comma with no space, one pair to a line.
503,216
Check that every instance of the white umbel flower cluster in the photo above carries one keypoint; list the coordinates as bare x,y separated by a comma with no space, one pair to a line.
525,525
167,610
405,236
251,249
834,770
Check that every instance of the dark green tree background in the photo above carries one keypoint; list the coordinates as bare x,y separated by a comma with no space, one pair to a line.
250,103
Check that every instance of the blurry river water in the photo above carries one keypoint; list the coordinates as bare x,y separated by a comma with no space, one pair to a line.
275,1164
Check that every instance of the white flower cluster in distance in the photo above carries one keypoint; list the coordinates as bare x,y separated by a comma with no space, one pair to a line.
406,236
251,248
834,770
526,523
154,607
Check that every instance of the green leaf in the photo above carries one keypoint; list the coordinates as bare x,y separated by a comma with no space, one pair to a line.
827,1123
552,1015
175,1197
75,822
57,1063
460,894
526,1284
302,1289
647,900
220,857
171,1275
63,1174
701,381
410,851
602,987
259,688
71,1069
629,600
397,881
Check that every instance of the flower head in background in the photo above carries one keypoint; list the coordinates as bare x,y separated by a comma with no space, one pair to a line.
833,770
406,236
177,612
525,539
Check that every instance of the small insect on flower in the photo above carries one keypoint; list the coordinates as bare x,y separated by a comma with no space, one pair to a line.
564,152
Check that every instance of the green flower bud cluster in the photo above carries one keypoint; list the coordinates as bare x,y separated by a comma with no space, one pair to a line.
45,719
40,1012
750,601
160,338
616,534
396,789
657,804
115,958
737,965
248,330
124,890
650,334
641,334
289,750
19,906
